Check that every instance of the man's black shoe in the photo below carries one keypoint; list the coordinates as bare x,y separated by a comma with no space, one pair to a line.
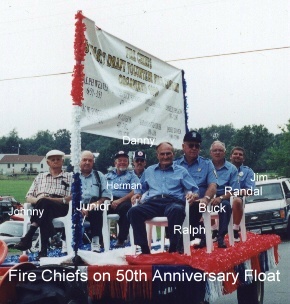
202,244
41,254
214,235
221,243
24,244
145,249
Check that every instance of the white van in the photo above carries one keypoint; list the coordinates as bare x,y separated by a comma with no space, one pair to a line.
270,209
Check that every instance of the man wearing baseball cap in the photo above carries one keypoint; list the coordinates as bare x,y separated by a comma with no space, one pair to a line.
49,194
121,181
139,163
203,173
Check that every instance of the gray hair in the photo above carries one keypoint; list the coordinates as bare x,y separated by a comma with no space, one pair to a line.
217,142
87,152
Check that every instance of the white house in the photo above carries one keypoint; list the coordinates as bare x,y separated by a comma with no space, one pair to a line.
22,164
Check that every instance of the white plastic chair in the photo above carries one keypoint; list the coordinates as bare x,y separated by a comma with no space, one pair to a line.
58,222
66,222
107,219
207,217
162,222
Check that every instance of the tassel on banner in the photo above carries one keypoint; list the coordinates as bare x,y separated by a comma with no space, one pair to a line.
79,53
185,101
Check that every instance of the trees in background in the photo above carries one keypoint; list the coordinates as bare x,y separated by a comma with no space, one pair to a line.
279,153
264,150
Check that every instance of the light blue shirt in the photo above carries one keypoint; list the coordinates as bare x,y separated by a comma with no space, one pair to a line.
227,176
174,181
246,177
90,187
123,183
201,170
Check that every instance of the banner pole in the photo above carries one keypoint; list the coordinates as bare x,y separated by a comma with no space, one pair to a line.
77,97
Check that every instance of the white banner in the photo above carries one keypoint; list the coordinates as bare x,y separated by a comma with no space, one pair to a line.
130,94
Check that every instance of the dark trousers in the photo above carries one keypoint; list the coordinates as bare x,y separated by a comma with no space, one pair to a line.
175,213
51,210
95,217
124,225
224,217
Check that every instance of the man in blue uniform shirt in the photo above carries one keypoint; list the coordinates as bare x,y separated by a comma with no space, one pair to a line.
246,178
122,182
165,185
94,193
227,177
203,173
139,163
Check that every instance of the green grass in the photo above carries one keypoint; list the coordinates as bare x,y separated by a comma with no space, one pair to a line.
15,187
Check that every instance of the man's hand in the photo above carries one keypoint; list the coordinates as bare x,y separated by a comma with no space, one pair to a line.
115,203
191,197
134,198
216,201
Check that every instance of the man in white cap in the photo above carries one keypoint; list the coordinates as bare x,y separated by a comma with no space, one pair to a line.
50,194
121,182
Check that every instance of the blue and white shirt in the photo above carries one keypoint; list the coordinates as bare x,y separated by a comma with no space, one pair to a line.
201,170
174,181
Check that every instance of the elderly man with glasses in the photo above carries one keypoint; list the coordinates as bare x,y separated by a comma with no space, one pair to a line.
227,177
202,171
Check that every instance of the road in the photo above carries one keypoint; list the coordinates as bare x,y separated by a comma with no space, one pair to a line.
275,292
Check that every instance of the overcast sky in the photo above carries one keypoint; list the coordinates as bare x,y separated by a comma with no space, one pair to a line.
251,87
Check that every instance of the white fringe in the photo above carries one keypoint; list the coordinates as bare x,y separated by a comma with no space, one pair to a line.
248,266
213,290
271,258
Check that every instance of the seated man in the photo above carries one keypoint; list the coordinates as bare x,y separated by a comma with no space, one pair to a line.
165,184
50,195
246,178
121,181
94,193
139,163
227,177
202,171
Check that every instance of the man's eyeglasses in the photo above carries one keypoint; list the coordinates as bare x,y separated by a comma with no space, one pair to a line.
192,145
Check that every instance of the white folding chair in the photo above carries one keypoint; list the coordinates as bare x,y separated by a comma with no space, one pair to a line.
107,219
66,222
207,217
58,222
162,222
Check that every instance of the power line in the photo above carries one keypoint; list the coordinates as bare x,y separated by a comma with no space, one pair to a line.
181,59
35,76
227,54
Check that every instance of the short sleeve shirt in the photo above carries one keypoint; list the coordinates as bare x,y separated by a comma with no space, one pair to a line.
174,181
227,177
201,170
48,184
90,187
246,177
123,183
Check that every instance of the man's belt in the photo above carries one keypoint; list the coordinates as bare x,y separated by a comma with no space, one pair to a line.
158,197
